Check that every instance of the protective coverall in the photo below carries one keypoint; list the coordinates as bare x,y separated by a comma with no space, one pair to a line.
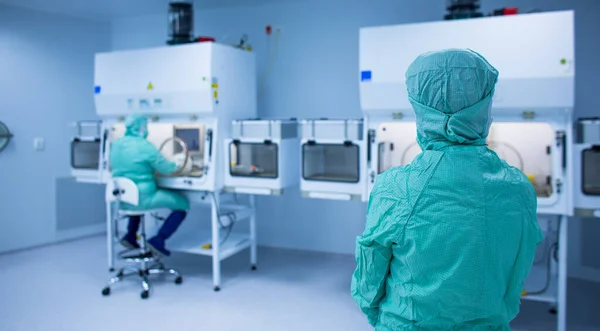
134,157
450,238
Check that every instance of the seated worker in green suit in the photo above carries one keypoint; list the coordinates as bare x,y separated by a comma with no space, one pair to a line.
134,157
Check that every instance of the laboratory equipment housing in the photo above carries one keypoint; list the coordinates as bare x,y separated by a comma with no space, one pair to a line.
262,156
333,159
86,151
586,179
532,111
191,93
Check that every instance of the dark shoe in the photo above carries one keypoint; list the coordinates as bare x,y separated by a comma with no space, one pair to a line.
157,246
130,242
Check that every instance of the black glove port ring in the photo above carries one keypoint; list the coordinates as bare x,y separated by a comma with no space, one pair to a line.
184,148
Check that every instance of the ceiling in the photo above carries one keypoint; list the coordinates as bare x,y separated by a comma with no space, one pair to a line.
105,10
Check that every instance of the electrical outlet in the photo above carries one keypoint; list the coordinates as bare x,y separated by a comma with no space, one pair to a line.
38,144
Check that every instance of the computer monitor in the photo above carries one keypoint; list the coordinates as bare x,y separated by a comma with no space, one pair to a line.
192,137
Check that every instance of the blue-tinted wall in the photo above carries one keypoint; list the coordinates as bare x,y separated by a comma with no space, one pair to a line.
46,75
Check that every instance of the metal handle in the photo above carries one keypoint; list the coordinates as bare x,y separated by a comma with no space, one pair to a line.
370,140
209,139
561,139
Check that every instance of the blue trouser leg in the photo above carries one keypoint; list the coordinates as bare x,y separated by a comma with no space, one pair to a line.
166,231
130,239
133,225
171,224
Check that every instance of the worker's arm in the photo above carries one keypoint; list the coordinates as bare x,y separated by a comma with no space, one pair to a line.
158,162
374,248
531,237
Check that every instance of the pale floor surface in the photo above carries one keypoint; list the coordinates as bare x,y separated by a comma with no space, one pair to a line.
57,288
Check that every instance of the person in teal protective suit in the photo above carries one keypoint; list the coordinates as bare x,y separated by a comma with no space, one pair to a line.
134,157
450,238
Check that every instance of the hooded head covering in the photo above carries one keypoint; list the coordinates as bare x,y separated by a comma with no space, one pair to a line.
136,125
451,92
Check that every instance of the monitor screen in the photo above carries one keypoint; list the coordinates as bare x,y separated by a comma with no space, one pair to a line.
191,137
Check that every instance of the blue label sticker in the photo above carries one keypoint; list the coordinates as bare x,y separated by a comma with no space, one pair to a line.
365,76
97,89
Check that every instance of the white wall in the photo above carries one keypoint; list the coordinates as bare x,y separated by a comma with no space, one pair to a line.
46,82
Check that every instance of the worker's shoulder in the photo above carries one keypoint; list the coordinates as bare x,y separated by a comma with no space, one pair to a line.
517,180
118,144
515,175
392,174
390,181
133,141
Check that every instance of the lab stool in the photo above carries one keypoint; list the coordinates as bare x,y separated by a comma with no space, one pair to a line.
140,261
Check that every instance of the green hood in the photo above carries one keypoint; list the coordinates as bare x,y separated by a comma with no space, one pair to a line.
136,125
451,92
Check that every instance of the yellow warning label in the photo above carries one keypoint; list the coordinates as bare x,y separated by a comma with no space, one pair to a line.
150,86
215,85
215,94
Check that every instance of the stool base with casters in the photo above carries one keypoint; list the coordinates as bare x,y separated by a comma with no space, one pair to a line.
155,267
141,262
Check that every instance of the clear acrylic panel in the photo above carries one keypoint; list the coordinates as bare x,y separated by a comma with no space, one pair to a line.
159,133
527,146
253,160
331,162
194,137
397,144
590,175
85,154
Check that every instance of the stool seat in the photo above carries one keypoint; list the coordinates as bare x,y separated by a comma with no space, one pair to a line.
125,212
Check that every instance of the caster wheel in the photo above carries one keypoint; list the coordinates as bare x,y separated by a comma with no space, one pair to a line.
145,295
106,291
178,280
253,268
553,311
111,270
217,289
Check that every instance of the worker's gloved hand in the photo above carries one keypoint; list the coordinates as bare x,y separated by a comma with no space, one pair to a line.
179,160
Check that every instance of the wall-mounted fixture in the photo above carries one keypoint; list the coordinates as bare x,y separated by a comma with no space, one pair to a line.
5,136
